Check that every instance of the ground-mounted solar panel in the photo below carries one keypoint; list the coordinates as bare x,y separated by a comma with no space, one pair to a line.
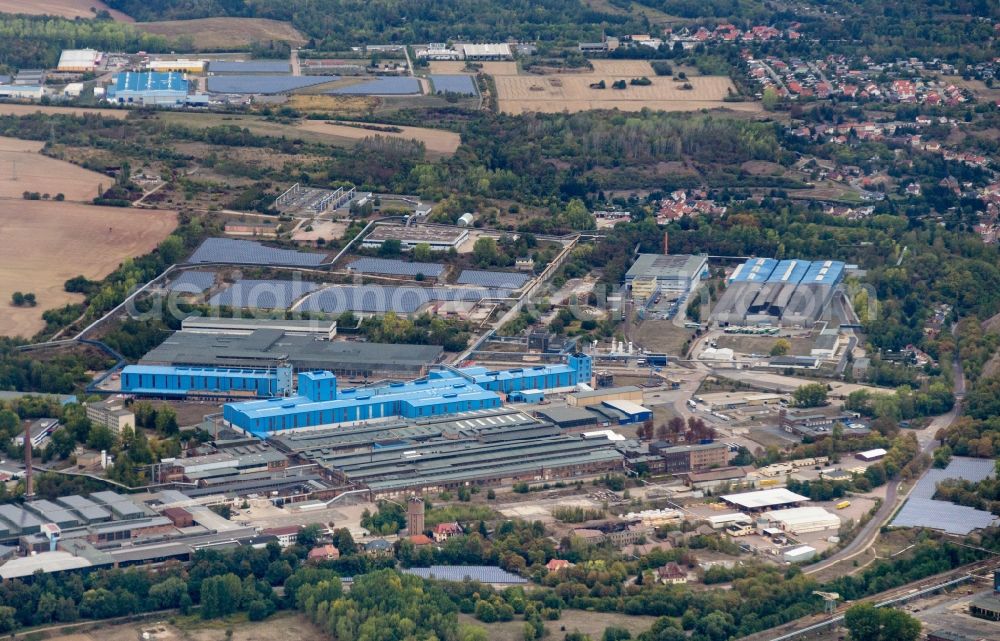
263,294
460,83
480,573
500,280
388,86
247,252
192,282
249,66
921,510
392,267
264,84
368,299
377,299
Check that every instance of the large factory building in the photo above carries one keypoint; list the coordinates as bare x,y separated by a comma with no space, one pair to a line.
445,391
765,291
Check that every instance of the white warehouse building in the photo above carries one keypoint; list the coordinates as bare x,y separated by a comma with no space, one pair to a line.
802,520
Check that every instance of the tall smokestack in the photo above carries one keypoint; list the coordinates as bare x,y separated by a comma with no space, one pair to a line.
666,243
29,487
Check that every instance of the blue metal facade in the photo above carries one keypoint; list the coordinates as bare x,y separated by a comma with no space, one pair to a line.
442,392
180,381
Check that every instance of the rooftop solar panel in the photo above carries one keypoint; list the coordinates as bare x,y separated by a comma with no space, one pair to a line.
246,252
502,280
454,83
193,282
381,87
395,267
263,294
264,84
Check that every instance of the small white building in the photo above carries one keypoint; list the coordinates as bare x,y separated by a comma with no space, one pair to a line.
800,554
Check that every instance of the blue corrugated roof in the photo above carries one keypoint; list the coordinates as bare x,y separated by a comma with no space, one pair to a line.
755,270
131,81
789,271
828,272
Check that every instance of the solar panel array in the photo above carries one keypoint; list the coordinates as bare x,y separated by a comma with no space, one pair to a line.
264,84
395,85
460,83
263,294
249,66
500,280
921,510
480,573
248,252
376,299
193,282
395,267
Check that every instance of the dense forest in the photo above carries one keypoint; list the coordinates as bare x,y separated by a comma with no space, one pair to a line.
36,41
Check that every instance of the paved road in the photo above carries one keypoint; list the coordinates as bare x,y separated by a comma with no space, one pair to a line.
926,439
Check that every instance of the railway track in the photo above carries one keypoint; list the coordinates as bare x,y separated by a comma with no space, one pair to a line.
816,624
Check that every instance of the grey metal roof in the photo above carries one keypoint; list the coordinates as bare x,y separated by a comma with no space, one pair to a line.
192,282
667,266
120,504
460,83
264,84
249,66
263,294
604,391
21,519
480,573
86,508
52,513
246,252
568,414
391,85
266,348
500,280
395,267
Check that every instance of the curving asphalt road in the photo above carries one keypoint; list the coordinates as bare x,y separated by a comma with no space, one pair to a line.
925,437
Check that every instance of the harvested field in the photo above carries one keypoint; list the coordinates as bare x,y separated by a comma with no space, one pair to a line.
437,141
61,8
624,68
23,168
43,244
447,66
16,144
498,68
218,34
8,109
572,92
